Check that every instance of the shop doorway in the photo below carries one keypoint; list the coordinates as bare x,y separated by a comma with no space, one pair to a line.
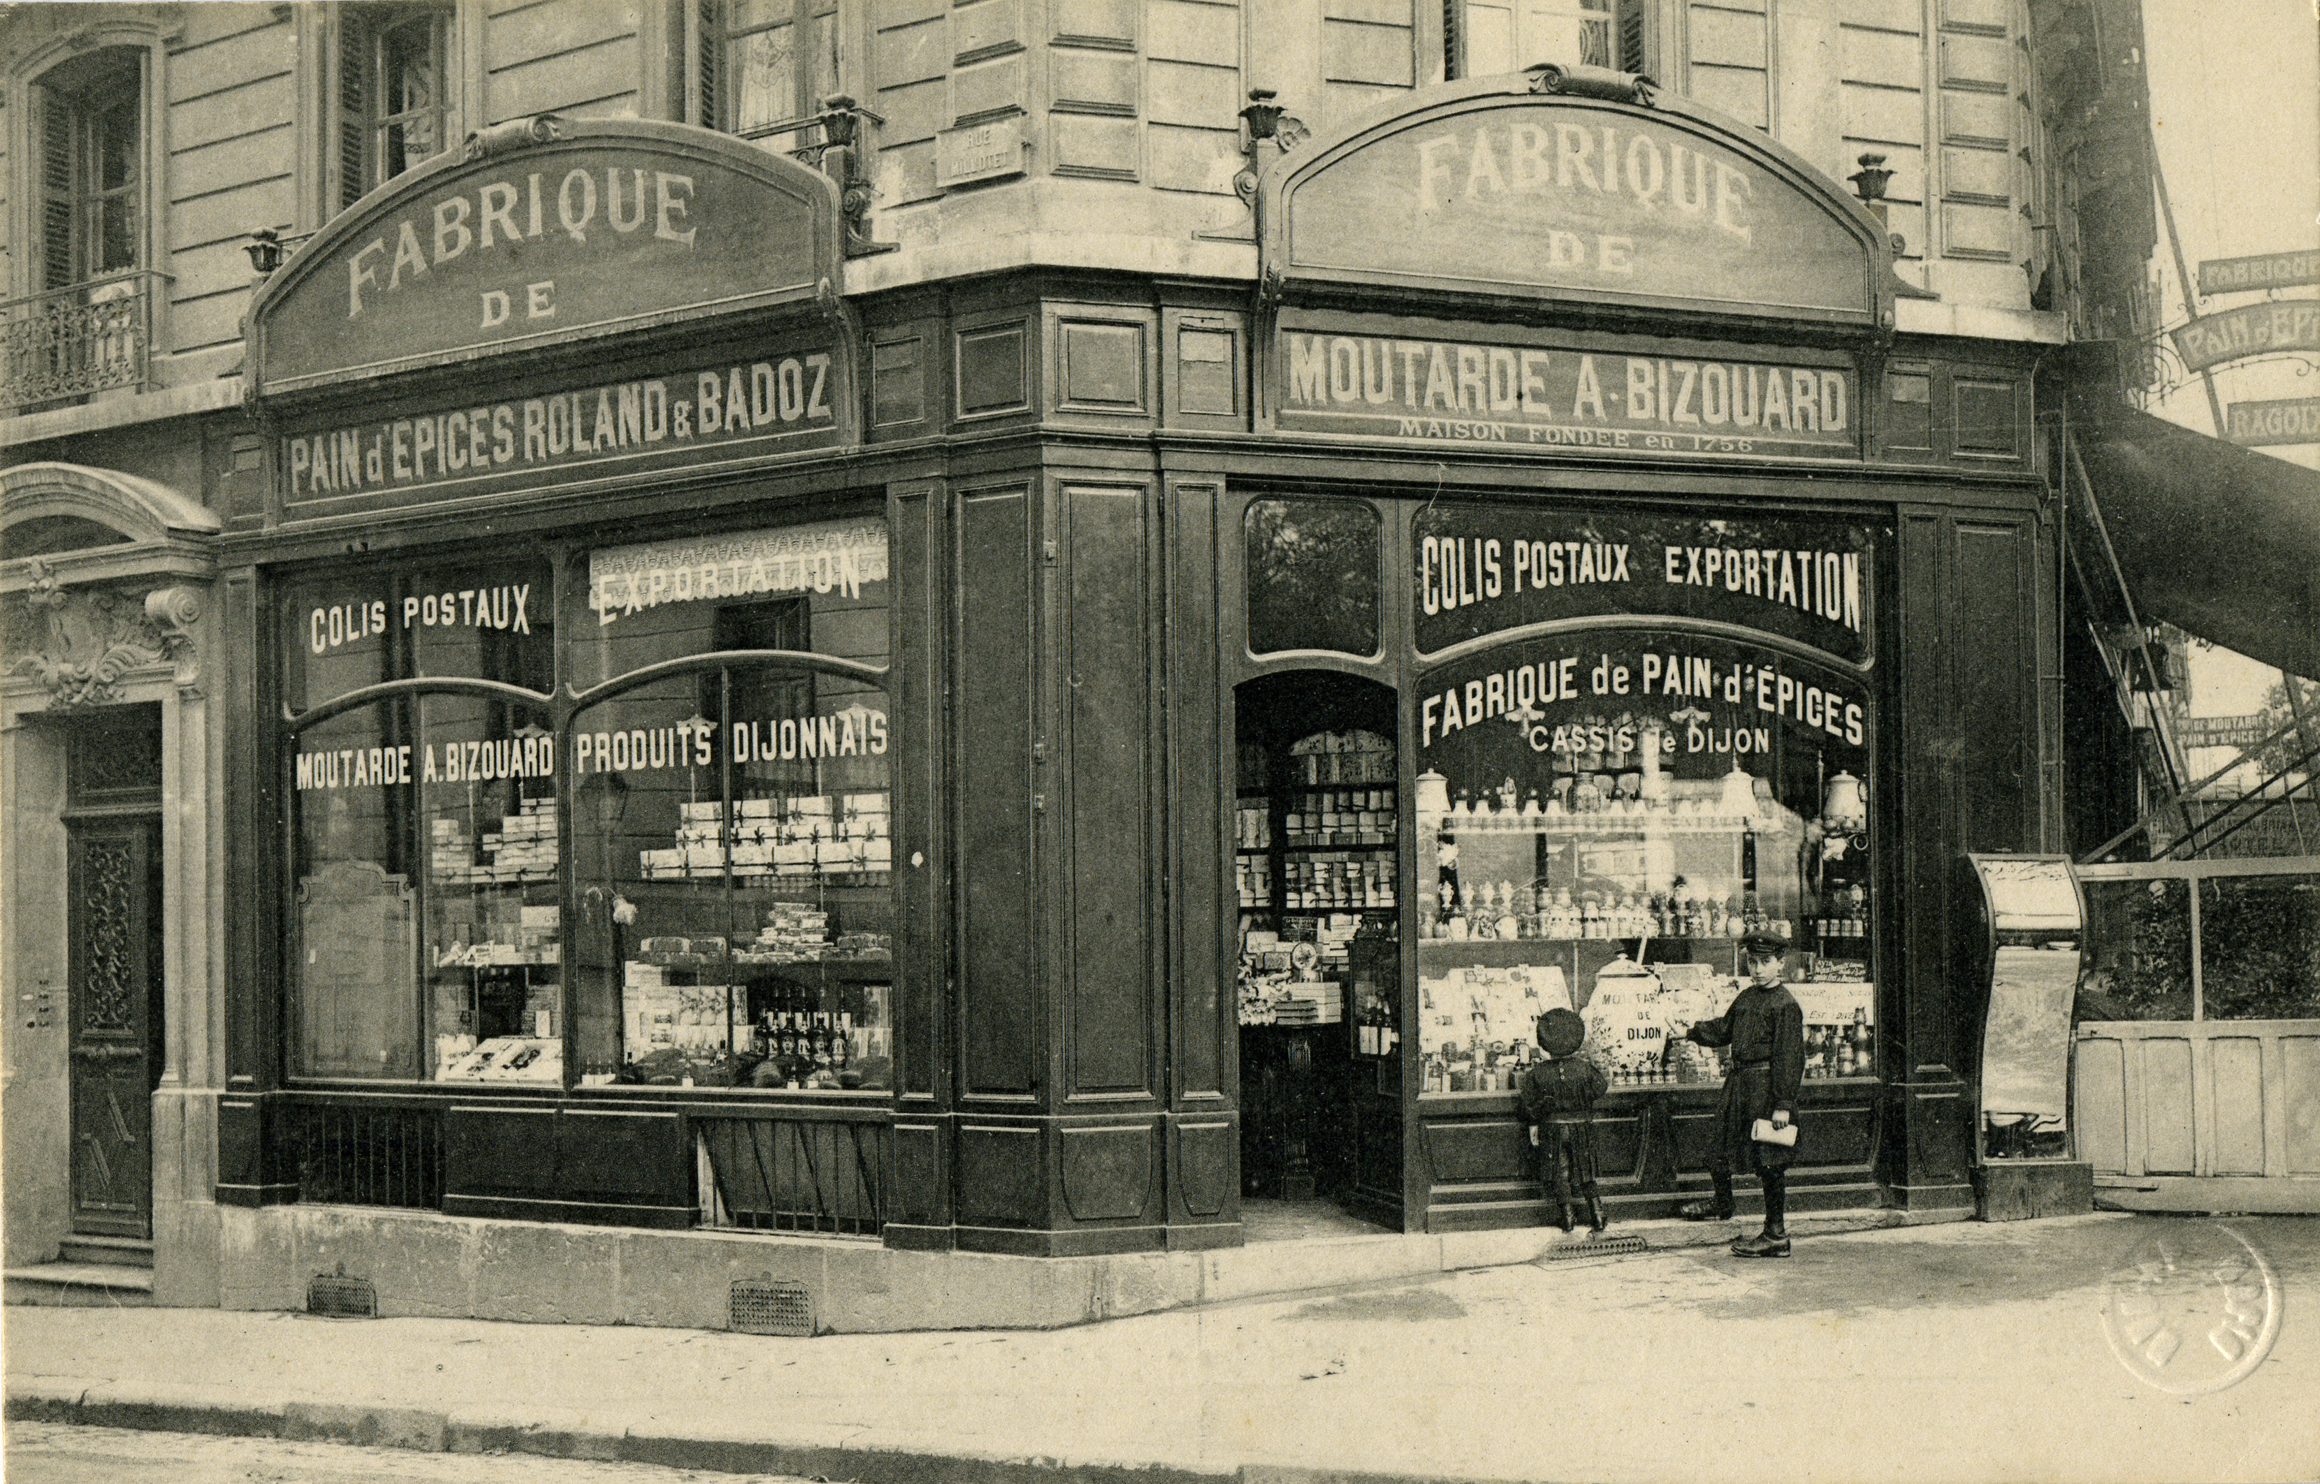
1318,874
113,966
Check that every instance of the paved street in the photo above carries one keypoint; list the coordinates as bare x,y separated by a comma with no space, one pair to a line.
1965,1352
53,1453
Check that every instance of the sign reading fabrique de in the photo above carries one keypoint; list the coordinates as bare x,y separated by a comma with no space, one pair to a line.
1604,202
543,233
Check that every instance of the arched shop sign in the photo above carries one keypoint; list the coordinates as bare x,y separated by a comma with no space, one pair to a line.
541,233
1489,187
1492,195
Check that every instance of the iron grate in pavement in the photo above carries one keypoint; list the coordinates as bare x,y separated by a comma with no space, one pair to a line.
336,1296
770,1306
1595,1247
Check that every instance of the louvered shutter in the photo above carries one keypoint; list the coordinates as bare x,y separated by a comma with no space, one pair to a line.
709,62
1634,37
353,122
53,125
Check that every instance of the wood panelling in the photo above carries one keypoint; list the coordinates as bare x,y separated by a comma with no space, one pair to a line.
1207,1164
1113,893
1102,366
999,981
1107,1172
918,1193
994,369
1204,1032
1003,1176
1995,707
921,865
1929,784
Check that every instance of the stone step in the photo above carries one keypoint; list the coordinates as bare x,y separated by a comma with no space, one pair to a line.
124,1252
81,1285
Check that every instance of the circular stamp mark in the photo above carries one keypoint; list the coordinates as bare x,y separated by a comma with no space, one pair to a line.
2192,1308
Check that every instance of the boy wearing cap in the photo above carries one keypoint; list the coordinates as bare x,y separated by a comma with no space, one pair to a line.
1765,1031
1557,1103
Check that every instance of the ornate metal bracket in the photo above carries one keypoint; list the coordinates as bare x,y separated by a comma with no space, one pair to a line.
1264,120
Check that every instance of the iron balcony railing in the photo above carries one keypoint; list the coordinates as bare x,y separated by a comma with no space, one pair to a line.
68,343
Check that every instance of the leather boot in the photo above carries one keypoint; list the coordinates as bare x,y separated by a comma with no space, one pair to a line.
1595,1216
1566,1223
1763,1244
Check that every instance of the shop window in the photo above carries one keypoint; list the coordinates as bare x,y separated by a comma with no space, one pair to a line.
423,872
758,63
391,99
734,824
1485,37
735,876
1314,576
727,823
1603,820
87,128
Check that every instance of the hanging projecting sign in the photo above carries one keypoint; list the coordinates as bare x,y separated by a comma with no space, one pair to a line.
2258,329
1484,186
545,231
1483,570
2288,420
1597,395
2270,270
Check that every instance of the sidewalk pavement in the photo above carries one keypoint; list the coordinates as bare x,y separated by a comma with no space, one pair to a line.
1965,1351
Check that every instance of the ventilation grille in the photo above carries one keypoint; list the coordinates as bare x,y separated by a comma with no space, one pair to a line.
767,1306
1595,1247
336,1296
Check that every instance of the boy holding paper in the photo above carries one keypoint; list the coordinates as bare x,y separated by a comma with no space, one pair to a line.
1765,1031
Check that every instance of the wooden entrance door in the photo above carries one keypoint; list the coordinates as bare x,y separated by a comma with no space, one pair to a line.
115,1005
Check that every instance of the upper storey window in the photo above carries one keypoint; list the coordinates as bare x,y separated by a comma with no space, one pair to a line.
392,94
87,117
1492,36
757,63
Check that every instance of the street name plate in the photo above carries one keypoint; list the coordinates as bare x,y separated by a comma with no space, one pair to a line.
984,152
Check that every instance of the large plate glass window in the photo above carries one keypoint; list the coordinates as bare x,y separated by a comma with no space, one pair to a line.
423,824
734,820
1605,805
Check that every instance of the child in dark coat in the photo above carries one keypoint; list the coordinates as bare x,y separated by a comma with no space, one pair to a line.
1557,1103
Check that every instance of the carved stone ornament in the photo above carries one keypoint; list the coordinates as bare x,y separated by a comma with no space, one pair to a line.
80,642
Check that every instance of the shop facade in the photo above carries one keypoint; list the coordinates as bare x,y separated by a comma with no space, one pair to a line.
1025,764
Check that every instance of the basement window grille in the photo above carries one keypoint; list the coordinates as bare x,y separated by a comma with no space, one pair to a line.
1595,1247
336,1296
771,1306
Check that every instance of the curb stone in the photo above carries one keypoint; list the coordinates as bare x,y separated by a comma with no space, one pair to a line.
207,1410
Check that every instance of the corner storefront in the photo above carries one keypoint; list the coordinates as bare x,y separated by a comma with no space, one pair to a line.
750,741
